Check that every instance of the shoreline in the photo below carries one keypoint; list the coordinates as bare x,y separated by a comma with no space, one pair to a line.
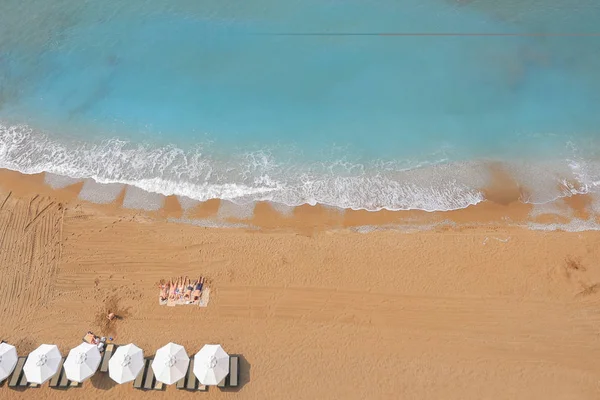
452,312
501,207
260,176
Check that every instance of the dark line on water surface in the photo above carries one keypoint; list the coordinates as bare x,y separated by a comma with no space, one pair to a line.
458,34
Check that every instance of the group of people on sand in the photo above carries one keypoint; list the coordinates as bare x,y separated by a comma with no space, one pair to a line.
181,291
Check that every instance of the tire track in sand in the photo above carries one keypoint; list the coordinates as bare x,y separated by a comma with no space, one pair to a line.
29,253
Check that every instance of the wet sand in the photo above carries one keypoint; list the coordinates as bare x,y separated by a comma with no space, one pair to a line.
472,308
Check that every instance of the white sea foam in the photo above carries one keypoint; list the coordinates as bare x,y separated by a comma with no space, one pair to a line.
209,223
283,209
139,199
575,225
59,181
595,203
100,193
227,209
555,207
260,176
187,203
401,227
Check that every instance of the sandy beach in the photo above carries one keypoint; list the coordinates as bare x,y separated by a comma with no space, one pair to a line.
317,309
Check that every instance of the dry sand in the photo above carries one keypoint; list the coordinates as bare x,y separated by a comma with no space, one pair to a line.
316,310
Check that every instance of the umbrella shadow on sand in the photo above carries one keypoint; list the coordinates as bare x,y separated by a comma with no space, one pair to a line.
102,381
245,367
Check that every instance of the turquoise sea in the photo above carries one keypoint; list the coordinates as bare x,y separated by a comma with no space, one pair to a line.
361,104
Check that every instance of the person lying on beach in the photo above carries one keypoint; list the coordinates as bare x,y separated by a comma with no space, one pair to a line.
173,290
171,287
164,291
177,289
189,287
198,289
180,288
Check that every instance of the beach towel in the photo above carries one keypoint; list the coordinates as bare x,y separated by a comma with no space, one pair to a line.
205,297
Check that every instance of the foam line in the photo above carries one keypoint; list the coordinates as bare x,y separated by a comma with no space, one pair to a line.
100,193
59,181
245,178
139,199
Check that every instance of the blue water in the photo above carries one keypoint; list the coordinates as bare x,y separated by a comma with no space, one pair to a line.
240,100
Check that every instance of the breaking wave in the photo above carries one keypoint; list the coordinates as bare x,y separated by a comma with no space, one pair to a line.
245,177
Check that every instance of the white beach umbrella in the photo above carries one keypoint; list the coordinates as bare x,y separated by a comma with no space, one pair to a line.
211,364
126,363
42,363
170,363
82,362
8,360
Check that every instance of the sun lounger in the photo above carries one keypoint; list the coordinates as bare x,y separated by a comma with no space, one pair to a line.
64,382
17,373
204,297
150,382
180,384
192,381
108,352
231,380
73,384
60,380
224,380
139,380
55,379
189,381
23,381
234,371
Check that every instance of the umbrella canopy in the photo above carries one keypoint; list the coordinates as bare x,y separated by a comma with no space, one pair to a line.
42,363
170,363
211,364
8,360
82,362
126,363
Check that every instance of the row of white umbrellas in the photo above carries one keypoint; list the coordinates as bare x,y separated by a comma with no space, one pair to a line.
170,364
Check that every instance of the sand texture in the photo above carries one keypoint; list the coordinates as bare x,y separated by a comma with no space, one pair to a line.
463,312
